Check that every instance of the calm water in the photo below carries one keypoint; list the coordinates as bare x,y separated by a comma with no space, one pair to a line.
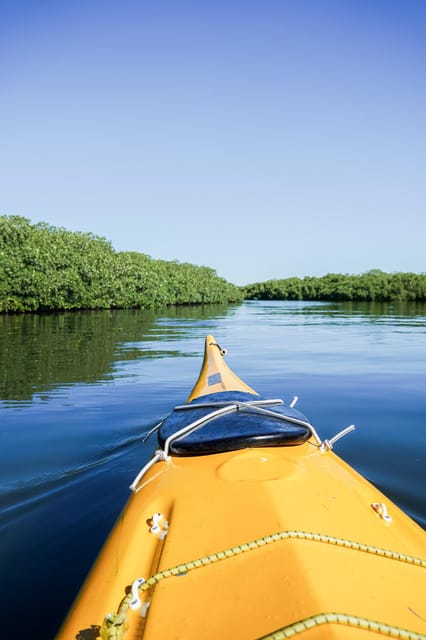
79,391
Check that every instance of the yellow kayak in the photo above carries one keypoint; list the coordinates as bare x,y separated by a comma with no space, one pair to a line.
245,524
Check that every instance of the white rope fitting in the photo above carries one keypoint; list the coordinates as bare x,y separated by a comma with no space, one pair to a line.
159,455
327,445
293,402
381,509
156,519
158,525
136,602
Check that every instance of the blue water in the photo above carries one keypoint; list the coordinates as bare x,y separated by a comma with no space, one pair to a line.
79,392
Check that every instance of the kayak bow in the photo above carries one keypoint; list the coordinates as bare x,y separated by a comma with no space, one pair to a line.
245,524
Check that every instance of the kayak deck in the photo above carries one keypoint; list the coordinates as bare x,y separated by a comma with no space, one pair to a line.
242,543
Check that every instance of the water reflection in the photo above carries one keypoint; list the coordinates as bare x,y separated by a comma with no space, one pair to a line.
388,313
40,352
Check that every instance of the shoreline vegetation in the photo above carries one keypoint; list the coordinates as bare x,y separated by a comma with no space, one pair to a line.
47,268
372,286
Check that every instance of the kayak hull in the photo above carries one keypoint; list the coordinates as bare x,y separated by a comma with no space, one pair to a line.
253,592
242,543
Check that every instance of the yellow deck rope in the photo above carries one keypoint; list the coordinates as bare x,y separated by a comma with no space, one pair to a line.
345,619
114,625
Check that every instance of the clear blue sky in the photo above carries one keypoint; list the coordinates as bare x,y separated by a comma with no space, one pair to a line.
263,138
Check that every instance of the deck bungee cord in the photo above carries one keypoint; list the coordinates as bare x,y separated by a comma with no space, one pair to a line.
114,625
294,629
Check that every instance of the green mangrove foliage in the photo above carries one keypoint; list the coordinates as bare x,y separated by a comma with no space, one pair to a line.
371,286
49,268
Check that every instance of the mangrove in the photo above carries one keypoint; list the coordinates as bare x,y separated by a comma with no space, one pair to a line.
373,286
46,268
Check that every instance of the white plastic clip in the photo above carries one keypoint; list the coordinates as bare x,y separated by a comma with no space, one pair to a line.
161,530
156,519
327,445
136,602
160,455
293,402
381,510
